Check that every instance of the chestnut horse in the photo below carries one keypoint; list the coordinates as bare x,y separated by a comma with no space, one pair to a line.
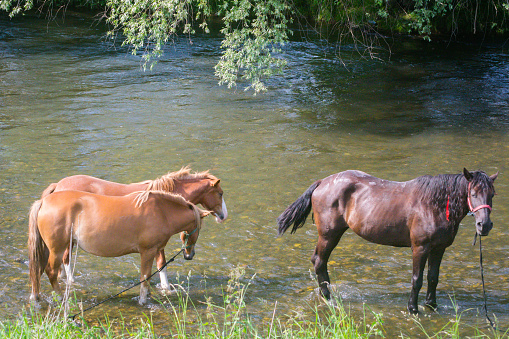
198,188
107,226
423,213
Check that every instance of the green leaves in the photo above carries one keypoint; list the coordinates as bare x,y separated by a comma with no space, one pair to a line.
147,25
15,7
425,12
455,17
254,33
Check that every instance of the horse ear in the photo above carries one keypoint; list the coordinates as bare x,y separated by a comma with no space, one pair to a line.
215,182
204,213
467,174
494,176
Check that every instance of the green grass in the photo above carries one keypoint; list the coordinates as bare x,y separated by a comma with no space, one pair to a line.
54,325
227,318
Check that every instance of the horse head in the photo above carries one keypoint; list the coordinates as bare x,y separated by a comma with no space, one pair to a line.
213,200
189,238
479,199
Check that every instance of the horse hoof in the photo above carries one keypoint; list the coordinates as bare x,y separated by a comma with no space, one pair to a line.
414,310
432,305
332,302
34,302
168,290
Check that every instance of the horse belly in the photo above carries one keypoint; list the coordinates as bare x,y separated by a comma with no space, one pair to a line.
105,247
105,237
378,213
390,235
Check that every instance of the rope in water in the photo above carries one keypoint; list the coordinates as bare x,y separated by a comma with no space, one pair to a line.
127,289
482,279
492,323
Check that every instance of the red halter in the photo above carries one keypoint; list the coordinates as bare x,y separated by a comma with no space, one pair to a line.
473,210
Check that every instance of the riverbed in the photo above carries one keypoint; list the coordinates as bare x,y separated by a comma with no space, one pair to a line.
74,102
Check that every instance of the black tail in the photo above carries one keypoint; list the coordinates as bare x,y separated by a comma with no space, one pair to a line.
297,212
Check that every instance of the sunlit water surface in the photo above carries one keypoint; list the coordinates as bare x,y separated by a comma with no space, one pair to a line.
71,102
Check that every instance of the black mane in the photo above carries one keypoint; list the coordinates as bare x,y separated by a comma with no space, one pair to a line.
440,189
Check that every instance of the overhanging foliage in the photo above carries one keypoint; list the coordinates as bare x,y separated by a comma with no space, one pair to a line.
255,31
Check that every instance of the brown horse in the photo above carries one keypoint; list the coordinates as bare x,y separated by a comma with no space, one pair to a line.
107,226
198,188
423,213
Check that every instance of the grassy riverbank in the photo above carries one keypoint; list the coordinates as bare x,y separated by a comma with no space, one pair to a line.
336,324
229,319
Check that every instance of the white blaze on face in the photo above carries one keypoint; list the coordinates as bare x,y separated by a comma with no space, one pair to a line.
225,213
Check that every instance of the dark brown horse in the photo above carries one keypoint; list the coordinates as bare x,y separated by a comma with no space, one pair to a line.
423,213
198,188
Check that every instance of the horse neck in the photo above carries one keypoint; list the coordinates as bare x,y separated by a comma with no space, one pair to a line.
186,225
457,196
192,190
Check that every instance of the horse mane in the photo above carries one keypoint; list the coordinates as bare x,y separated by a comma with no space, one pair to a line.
450,188
142,197
167,182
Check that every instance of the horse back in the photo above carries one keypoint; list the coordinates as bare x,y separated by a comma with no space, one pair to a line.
378,210
86,183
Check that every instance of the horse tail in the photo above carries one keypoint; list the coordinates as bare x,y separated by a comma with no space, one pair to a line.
37,249
297,212
50,189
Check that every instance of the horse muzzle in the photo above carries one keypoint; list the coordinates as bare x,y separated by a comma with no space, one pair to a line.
222,214
190,255
483,228
220,217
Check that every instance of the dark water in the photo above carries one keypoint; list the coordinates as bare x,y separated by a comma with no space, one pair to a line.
71,102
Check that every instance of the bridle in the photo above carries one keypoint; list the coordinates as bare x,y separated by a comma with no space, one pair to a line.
187,236
473,210
469,202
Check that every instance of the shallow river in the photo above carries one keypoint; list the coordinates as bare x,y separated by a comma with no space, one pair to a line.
71,102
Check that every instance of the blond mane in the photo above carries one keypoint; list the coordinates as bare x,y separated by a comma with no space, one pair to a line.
142,197
166,182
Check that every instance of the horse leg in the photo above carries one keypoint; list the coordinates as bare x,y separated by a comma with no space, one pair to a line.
36,281
434,260
328,239
161,260
53,271
67,264
419,255
147,260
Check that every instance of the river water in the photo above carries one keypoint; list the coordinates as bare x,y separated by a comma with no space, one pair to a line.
72,102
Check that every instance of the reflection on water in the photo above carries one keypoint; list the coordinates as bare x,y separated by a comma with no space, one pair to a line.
72,103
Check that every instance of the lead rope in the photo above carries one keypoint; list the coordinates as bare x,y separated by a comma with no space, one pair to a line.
127,289
482,279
